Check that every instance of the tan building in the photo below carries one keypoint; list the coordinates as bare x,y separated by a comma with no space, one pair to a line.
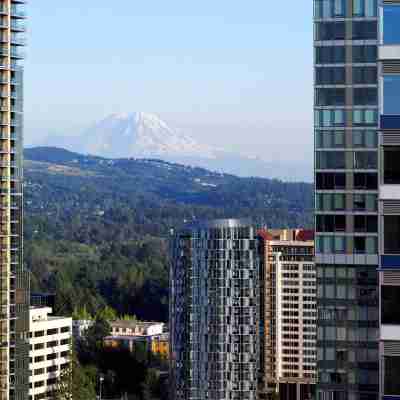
288,315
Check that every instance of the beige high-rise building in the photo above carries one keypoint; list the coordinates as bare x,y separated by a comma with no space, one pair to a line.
14,281
288,315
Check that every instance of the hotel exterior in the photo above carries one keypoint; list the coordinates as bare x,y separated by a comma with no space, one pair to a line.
288,315
346,197
14,281
214,312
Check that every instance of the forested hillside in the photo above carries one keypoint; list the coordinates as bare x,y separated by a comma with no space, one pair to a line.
96,229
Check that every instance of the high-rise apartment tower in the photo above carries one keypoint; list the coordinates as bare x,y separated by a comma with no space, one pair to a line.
14,282
288,315
389,196
346,193
214,312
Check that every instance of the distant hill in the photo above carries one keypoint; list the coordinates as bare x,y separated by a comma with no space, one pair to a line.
62,185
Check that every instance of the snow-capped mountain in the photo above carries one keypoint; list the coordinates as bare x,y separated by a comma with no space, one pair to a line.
145,135
140,135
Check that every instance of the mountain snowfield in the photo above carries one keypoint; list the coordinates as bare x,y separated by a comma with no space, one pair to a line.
145,135
140,135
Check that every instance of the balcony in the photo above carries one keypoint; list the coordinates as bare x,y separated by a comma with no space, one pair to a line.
17,12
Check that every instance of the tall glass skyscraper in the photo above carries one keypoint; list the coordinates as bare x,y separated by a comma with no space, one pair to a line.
346,194
14,282
214,312
389,196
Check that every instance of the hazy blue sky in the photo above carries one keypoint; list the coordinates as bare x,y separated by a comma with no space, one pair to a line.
229,72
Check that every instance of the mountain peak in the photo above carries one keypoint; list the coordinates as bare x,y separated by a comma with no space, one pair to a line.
139,134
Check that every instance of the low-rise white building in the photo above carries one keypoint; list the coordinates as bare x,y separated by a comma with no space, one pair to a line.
49,355
136,328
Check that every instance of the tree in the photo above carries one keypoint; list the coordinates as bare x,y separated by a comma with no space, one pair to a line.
107,314
75,382
81,314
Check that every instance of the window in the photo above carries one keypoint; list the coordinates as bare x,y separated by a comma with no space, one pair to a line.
364,30
330,55
391,29
365,181
364,54
39,346
330,76
39,333
365,8
365,96
365,160
390,297
331,223
52,343
331,31
52,368
65,329
330,97
330,244
39,359
392,373
365,138
329,8
329,181
39,371
391,175
365,202
366,223
329,139
329,118
52,331
365,75
330,201
391,234
51,356
330,160
365,117
391,88
365,245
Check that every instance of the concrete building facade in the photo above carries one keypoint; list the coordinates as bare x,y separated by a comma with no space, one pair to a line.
288,315
50,351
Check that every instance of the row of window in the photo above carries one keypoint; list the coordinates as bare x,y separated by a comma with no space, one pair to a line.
52,331
337,201
53,343
360,272
51,356
337,180
337,244
341,160
331,333
337,54
337,75
361,30
325,9
338,117
336,138
364,96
